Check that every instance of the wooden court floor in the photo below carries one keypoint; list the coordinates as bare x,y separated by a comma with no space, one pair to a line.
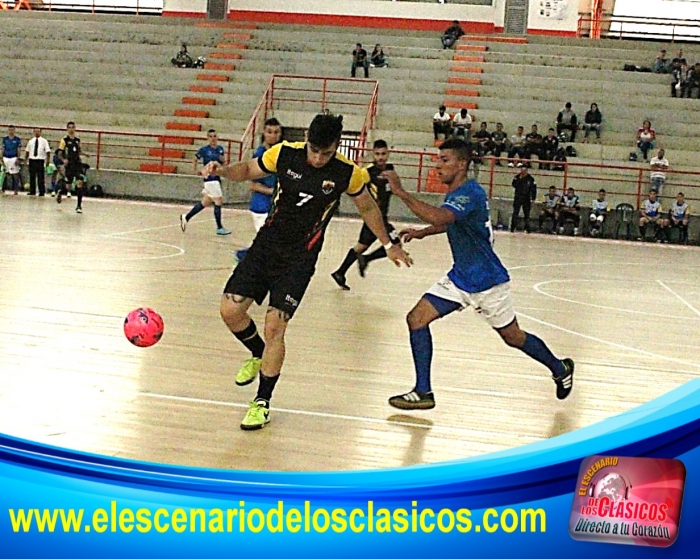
625,312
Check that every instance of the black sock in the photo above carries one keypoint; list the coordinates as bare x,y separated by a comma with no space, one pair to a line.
250,338
217,216
198,207
376,255
80,192
350,258
266,386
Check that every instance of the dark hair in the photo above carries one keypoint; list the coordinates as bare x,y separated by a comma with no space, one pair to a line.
442,107
554,187
211,131
654,191
272,122
380,144
460,147
69,123
568,105
550,130
602,190
680,194
325,130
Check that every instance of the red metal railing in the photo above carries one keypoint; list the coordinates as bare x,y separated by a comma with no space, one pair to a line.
628,27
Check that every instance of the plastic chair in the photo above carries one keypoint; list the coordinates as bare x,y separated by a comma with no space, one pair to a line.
625,215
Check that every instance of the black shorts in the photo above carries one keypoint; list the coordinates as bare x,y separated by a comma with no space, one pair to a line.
285,275
74,169
367,237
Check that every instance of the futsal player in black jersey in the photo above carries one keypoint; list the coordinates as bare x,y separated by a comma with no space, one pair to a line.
312,176
382,195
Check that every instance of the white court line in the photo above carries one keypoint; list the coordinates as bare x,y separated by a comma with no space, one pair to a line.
141,230
607,342
537,286
686,303
359,419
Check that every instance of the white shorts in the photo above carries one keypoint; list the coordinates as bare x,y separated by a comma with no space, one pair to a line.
11,165
495,304
258,220
212,189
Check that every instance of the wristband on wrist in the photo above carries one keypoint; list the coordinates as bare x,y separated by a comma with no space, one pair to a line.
388,245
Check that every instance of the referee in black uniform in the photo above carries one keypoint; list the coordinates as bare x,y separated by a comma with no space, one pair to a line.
525,193
382,195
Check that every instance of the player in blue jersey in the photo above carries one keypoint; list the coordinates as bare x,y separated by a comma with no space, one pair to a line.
211,192
262,189
477,278
10,147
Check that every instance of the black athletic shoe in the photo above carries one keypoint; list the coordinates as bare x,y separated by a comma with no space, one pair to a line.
340,280
565,383
413,401
362,264
59,198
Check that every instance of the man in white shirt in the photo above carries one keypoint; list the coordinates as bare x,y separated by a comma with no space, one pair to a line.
462,125
442,123
659,166
37,153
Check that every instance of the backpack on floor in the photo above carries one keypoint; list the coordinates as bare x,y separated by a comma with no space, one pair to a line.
95,191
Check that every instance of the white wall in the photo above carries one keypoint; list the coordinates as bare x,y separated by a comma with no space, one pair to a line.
187,6
554,15
673,9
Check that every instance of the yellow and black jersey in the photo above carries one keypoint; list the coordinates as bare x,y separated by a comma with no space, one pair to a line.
379,187
305,197
70,148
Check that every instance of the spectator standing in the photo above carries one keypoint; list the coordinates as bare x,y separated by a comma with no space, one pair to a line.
659,166
451,35
37,155
525,193
359,58
378,58
11,145
569,210
462,125
442,123
550,144
593,120
679,81
566,120
646,136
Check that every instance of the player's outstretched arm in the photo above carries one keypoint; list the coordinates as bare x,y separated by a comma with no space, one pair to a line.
407,235
438,217
243,171
372,216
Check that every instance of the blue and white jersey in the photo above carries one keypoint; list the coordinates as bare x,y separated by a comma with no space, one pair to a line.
652,209
551,202
678,211
10,146
260,203
207,154
600,206
476,267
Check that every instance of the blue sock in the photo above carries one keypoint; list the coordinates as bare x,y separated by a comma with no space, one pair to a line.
538,350
217,216
422,348
194,211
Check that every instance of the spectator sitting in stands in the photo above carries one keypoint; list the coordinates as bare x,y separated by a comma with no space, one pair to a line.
592,121
559,160
517,146
500,140
645,139
662,65
599,211
359,58
679,81
692,85
451,35
550,145
183,59
679,215
378,59
483,138
651,213
569,210
678,60
659,166
442,123
550,208
462,125
533,145
566,120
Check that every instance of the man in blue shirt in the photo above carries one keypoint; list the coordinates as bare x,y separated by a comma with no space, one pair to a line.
11,145
211,192
262,189
477,278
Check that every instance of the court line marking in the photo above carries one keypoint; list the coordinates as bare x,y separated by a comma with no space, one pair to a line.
608,342
672,292
328,415
537,288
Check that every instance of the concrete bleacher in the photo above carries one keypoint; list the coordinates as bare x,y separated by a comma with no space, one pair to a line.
113,73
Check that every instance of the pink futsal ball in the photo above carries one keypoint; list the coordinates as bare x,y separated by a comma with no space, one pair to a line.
143,327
